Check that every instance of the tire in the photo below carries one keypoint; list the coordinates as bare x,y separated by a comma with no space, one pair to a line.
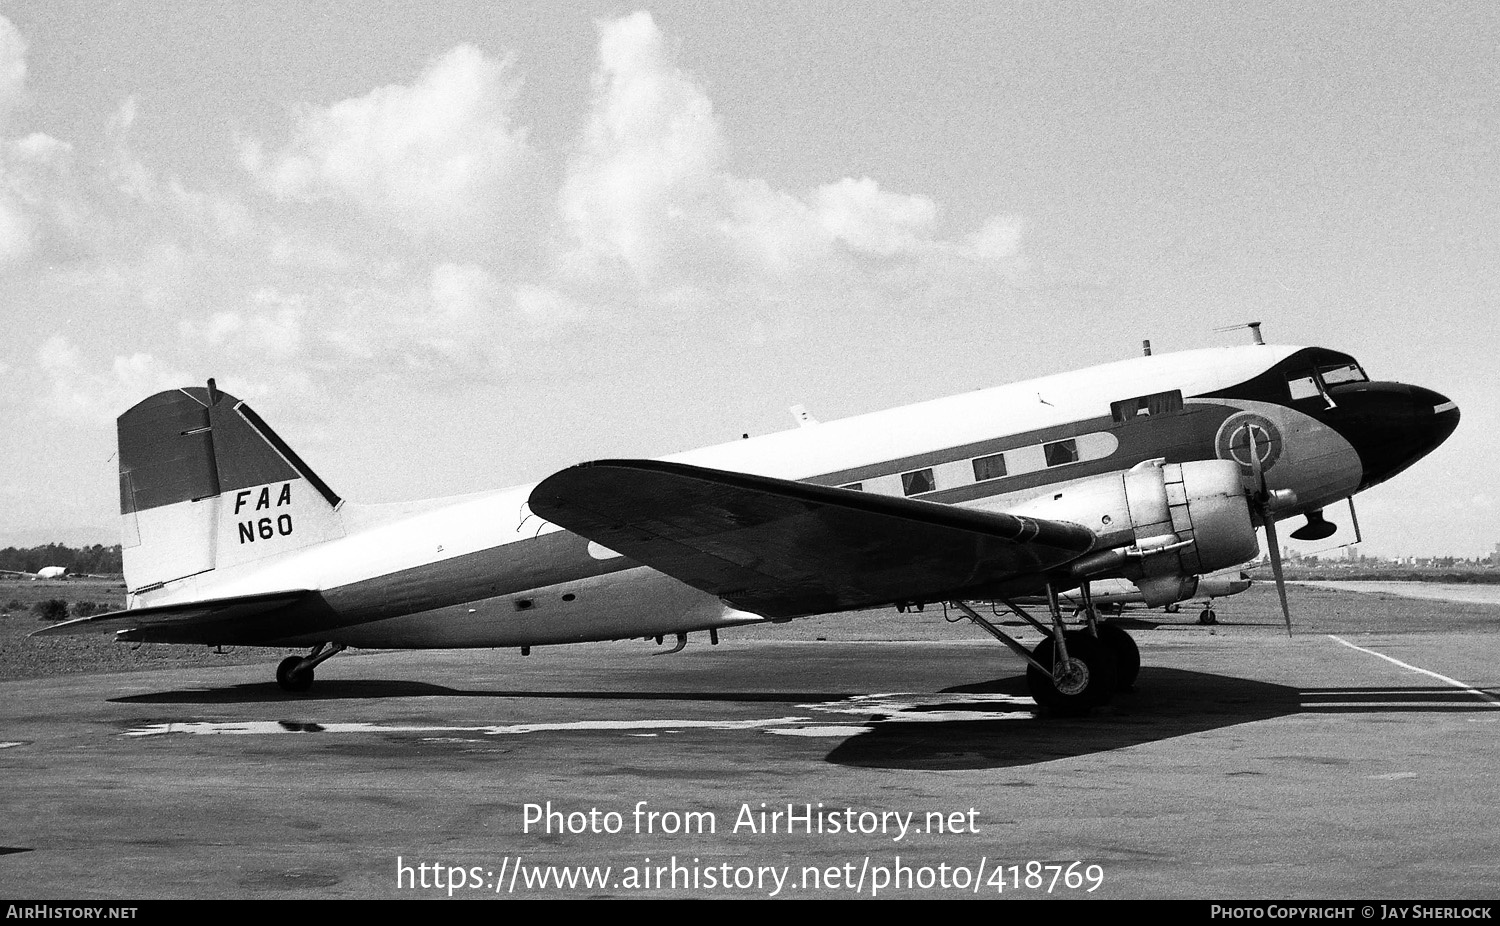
1091,683
289,678
1127,655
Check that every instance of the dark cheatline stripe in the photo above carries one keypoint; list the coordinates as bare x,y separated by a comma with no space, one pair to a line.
496,572
1179,437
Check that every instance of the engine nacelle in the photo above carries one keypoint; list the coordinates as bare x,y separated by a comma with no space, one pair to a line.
1159,524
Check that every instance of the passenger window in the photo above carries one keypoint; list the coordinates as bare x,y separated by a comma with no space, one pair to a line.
1060,452
917,482
991,467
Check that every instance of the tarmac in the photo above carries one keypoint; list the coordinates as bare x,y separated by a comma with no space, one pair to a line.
1355,760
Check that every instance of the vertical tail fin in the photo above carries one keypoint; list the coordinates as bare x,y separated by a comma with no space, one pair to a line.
205,484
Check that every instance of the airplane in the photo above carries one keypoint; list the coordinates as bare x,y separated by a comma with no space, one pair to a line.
1121,594
1154,469
1209,588
47,572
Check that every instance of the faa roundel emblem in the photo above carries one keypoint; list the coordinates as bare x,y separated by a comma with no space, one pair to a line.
1240,432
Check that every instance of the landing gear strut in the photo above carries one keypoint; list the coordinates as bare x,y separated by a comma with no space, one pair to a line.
295,673
1071,671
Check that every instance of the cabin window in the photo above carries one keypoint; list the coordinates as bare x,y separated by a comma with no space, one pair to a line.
1060,452
1147,406
917,481
856,486
990,467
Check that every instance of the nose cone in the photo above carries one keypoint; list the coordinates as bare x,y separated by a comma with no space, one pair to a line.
1391,425
1436,412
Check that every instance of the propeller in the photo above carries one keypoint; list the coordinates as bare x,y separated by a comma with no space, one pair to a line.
1261,499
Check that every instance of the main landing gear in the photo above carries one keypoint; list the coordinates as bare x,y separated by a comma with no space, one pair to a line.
295,673
1070,672
1207,617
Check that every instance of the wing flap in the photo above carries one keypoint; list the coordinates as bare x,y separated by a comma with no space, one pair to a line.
782,549
189,616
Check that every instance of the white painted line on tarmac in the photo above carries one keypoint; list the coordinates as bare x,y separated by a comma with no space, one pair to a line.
1482,695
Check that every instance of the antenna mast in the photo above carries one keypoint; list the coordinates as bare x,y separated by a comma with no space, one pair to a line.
1254,331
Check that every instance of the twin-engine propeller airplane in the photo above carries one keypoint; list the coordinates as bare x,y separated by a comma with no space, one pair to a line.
1120,595
1155,469
51,572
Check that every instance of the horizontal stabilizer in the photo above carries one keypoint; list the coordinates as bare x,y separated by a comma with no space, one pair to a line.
183,616
783,549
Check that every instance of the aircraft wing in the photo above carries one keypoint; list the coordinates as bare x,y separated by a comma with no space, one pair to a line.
783,549
190,616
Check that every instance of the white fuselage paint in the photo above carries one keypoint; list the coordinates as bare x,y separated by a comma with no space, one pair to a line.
1317,463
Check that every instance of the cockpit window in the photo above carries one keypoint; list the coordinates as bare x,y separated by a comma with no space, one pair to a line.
1147,406
1303,387
1343,373
1315,385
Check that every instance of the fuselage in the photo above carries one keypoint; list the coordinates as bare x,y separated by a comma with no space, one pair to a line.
482,571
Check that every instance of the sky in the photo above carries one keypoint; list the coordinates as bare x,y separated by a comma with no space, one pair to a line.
451,246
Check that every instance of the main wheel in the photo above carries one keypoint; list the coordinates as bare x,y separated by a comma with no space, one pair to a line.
1085,681
1208,617
290,678
1127,655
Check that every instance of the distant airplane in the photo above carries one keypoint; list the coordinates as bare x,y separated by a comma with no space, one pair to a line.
1154,469
1122,594
46,572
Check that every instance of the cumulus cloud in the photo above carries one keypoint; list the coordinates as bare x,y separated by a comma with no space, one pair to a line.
647,199
464,294
652,227
273,325
871,220
645,182
78,390
12,67
126,173
36,196
436,155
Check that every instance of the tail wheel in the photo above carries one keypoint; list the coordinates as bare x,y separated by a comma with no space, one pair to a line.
1127,655
290,677
1074,687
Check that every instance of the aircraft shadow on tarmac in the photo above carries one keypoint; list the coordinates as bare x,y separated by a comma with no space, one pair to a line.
947,730
368,689
1165,703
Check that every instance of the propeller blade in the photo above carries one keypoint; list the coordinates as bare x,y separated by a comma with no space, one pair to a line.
1261,500
1256,471
1275,546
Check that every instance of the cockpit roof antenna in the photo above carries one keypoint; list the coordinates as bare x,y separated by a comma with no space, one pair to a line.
1254,331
